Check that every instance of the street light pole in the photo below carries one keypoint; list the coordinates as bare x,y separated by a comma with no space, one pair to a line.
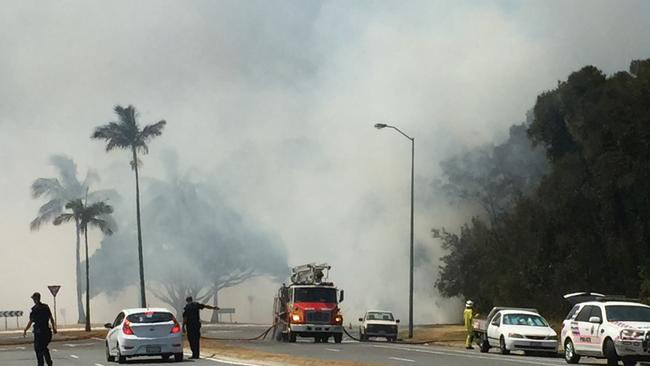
380,126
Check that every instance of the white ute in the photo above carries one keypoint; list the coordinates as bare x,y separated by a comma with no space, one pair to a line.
513,329
378,323
606,327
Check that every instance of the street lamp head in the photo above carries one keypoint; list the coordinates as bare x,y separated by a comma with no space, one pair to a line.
379,126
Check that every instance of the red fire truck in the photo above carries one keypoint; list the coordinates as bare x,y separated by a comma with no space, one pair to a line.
309,306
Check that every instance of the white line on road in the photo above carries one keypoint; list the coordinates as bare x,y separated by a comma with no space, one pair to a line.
401,359
238,363
513,359
333,349
74,356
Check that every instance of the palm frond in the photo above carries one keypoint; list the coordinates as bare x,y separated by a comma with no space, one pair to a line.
68,173
63,218
127,115
47,186
152,130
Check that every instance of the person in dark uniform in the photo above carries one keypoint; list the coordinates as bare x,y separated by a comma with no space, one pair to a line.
192,323
40,316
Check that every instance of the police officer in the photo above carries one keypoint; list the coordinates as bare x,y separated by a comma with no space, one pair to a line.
192,323
40,316
468,316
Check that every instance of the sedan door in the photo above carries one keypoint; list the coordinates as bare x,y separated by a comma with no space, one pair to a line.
114,332
493,331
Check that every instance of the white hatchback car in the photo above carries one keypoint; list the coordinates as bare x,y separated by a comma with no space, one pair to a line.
144,332
513,330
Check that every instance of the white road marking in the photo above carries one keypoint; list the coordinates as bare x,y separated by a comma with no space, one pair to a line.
469,355
74,356
238,363
333,349
401,359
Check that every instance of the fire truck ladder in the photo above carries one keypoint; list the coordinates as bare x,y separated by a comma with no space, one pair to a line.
310,274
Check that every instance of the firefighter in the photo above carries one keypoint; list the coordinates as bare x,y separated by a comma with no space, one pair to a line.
468,315
192,324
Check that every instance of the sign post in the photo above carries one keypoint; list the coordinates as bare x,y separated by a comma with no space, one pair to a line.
54,289
8,314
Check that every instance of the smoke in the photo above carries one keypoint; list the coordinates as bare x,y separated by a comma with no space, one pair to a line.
275,102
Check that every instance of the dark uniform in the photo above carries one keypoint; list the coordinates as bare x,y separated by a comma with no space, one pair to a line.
40,316
193,326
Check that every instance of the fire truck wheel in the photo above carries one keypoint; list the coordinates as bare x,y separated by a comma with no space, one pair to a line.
338,338
292,337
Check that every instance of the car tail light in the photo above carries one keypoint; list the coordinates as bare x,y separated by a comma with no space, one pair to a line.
176,328
126,328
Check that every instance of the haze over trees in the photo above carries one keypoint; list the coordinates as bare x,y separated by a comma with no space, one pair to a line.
197,245
126,134
585,224
60,191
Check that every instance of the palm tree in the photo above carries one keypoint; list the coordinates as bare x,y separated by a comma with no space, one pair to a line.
96,215
126,134
65,188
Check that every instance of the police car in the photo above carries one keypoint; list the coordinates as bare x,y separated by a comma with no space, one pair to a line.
606,327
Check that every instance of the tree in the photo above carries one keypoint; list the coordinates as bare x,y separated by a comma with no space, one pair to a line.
126,134
200,244
96,215
588,216
66,188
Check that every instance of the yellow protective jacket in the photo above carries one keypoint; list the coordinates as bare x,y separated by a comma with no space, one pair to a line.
468,315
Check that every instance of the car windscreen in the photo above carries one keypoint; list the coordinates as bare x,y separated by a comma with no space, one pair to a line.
618,313
314,294
524,319
150,317
380,316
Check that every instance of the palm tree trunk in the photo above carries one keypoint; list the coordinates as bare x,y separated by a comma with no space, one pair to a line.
143,298
215,303
87,283
80,304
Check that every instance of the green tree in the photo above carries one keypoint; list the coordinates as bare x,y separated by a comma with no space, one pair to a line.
95,215
127,134
58,191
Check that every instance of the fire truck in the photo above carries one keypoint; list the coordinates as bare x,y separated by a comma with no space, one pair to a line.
309,306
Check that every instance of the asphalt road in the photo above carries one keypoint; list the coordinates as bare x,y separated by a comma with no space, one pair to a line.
91,352
380,353
86,353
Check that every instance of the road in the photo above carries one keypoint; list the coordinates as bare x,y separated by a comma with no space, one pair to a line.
91,352
380,352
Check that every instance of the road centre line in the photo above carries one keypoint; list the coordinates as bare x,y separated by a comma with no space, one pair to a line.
466,354
401,359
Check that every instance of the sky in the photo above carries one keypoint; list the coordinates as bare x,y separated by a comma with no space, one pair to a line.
273,103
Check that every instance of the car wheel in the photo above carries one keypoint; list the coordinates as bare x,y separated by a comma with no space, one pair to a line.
338,338
502,346
610,353
178,357
109,358
570,355
485,345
